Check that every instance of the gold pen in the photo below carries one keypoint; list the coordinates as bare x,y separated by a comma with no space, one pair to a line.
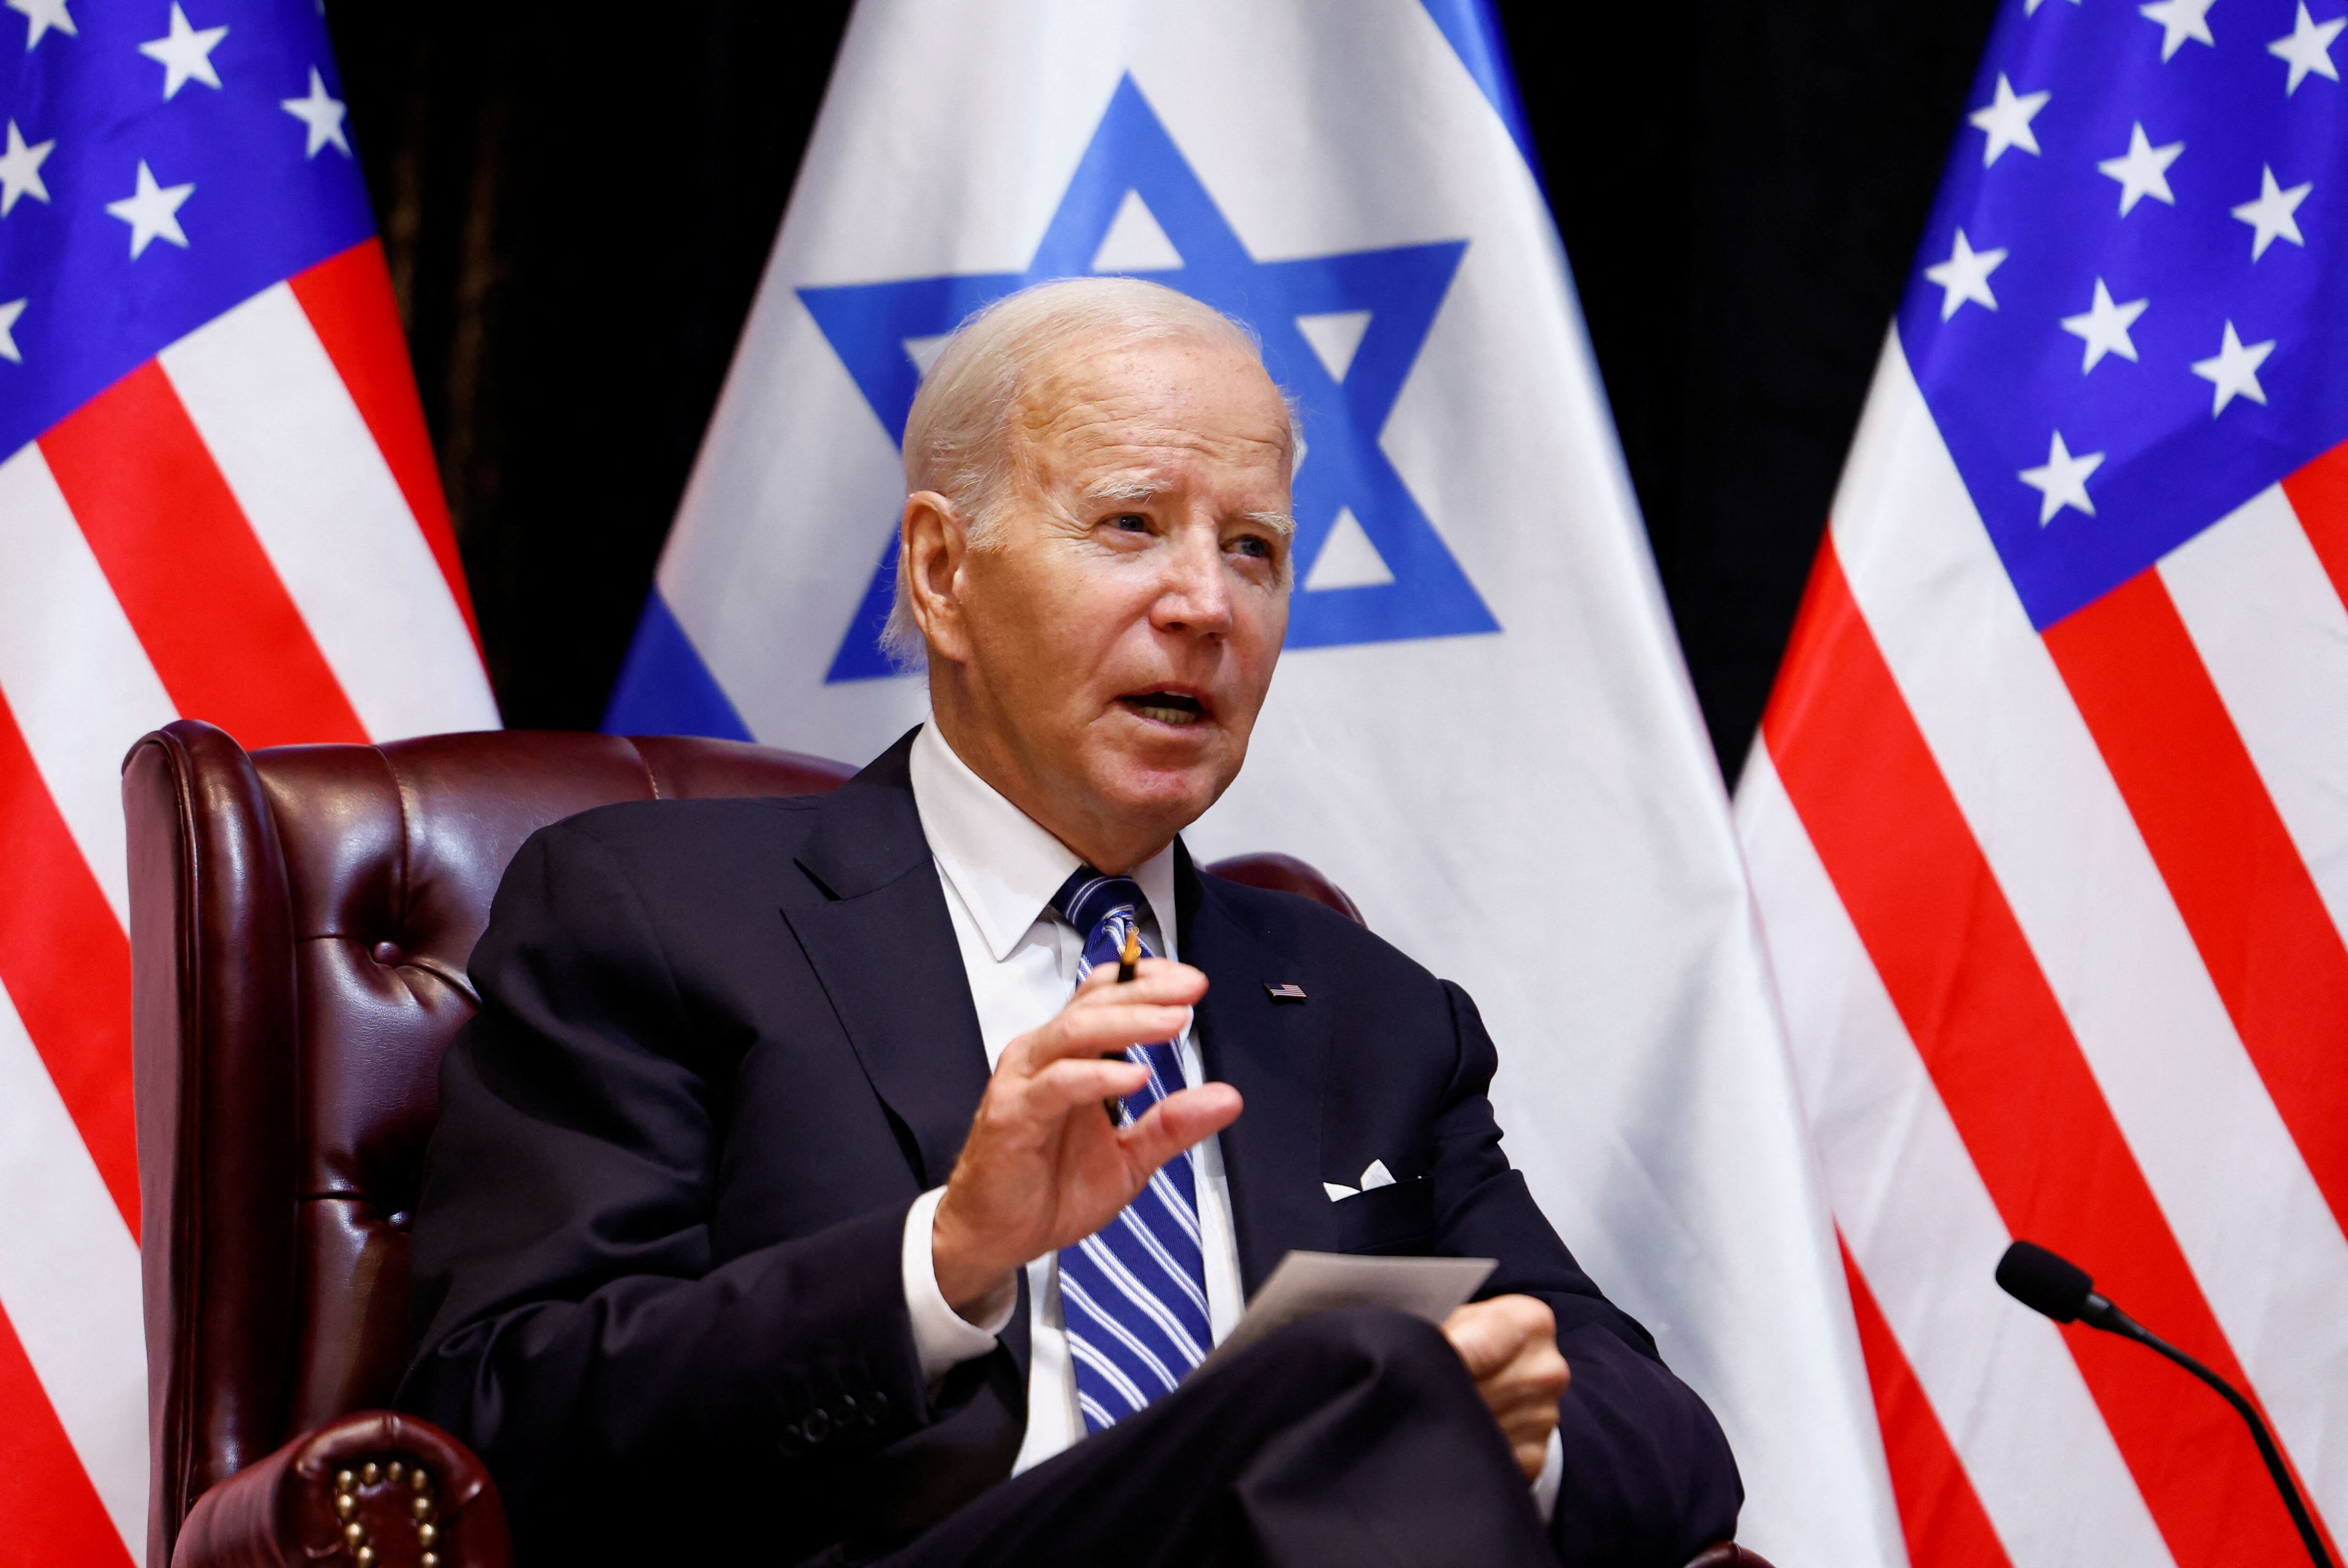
1125,966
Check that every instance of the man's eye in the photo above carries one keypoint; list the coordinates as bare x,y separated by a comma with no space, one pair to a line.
1251,545
1130,523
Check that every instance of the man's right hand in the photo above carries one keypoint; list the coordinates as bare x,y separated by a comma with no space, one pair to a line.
1043,1167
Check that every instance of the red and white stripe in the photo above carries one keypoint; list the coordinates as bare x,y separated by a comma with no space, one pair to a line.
2058,923
247,529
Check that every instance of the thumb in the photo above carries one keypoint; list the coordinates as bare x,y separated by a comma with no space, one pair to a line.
1490,1333
1483,1343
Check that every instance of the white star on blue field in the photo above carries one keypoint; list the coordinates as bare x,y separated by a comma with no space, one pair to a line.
1339,333
2132,311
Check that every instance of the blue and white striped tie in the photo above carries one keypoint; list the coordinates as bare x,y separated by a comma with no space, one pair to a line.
1133,1296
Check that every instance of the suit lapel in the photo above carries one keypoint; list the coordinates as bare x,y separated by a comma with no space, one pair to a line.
1276,1056
883,945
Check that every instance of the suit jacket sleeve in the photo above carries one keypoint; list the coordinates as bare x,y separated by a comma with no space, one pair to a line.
574,1326
1647,1477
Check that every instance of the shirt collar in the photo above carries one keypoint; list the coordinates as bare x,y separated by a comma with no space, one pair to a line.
1006,865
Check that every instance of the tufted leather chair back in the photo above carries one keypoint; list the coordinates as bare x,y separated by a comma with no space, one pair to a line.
301,919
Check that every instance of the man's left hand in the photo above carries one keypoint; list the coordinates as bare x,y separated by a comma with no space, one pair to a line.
1509,1345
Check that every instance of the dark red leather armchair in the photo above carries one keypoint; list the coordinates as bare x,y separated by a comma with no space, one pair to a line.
301,923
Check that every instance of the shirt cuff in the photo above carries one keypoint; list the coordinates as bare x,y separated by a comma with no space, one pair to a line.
1552,1477
942,1337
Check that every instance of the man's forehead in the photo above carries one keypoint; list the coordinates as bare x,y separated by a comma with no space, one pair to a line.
1141,465
1158,391
1111,456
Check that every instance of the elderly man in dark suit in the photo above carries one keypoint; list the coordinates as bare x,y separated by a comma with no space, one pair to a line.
810,1189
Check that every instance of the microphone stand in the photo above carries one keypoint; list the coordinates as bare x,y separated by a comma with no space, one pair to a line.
2099,1313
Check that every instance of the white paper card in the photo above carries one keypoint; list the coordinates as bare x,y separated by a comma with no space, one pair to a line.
1306,1283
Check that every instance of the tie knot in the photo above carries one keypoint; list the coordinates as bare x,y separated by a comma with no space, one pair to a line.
1088,898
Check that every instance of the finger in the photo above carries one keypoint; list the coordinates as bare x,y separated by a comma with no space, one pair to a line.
1536,1365
1542,1390
1154,980
1530,1429
1545,1375
1534,1380
1529,1423
1064,1084
1533,1401
1100,1030
1178,1121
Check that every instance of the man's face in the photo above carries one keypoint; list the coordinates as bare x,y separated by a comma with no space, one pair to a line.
1123,622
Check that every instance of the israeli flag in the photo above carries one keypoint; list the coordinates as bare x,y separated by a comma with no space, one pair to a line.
1481,727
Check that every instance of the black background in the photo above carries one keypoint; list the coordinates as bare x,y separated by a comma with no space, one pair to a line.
577,202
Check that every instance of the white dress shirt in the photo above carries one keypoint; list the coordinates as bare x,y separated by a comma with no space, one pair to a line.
1000,869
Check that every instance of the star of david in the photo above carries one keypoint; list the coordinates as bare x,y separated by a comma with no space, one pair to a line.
1339,333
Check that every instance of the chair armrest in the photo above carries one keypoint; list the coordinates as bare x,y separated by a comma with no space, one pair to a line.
371,1488
1727,1554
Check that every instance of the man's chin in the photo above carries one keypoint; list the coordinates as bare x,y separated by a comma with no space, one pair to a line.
1146,784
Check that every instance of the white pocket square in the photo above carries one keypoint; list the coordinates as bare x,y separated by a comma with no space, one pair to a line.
1376,1176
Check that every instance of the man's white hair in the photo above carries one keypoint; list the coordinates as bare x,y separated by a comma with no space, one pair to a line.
960,438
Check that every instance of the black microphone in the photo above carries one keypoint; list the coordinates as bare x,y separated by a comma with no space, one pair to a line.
2061,1289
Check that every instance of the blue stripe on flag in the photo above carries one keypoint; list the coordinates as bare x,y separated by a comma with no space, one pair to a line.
1474,35
665,688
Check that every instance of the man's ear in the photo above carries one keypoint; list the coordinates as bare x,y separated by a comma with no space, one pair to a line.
933,538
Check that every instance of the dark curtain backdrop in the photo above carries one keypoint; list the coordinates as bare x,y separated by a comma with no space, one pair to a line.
577,202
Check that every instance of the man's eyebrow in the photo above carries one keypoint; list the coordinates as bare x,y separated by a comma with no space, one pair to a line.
1123,487
1279,522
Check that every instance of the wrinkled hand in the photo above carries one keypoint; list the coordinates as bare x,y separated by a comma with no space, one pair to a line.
1510,1343
1043,1167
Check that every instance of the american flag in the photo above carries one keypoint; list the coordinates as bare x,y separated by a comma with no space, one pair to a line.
2049,823
218,501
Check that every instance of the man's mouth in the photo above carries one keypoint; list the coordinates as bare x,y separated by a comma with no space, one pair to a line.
1174,707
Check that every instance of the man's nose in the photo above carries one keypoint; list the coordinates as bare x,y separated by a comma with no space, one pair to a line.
1195,594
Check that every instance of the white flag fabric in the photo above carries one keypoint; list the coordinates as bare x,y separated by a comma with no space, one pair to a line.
1481,727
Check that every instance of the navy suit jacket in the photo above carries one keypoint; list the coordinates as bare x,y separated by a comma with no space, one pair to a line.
723,1044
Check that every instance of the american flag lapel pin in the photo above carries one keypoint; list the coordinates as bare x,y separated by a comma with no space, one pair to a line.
1285,991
